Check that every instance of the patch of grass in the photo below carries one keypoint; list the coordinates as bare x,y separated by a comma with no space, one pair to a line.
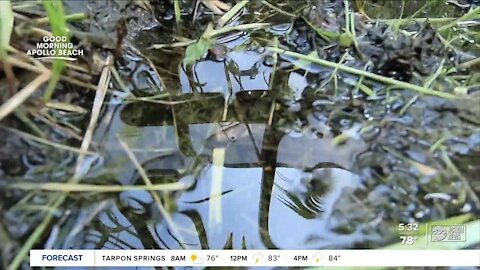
58,23
78,174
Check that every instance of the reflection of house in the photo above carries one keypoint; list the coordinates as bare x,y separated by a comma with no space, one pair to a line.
249,186
255,158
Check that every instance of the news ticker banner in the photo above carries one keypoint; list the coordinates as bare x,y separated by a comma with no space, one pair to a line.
249,258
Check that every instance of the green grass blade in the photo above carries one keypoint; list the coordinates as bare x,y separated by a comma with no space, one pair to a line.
376,77
178,14
6,26
56,18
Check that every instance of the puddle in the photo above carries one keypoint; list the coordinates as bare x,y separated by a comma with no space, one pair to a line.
250,185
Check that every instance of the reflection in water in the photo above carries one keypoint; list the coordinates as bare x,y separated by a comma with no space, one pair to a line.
253,185
295,200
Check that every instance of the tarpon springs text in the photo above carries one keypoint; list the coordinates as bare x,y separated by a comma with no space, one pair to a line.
55,46
137,258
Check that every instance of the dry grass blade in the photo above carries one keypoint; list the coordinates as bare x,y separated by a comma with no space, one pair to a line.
38,67
144,176
71,187
102,88
145,4
67,107
231,13
97,104
19,63
23,94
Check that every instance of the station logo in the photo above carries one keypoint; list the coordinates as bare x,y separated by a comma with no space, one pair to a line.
55,47
448,233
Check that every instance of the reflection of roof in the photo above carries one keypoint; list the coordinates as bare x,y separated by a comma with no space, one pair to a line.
200,126
301,152
166,145
198,108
